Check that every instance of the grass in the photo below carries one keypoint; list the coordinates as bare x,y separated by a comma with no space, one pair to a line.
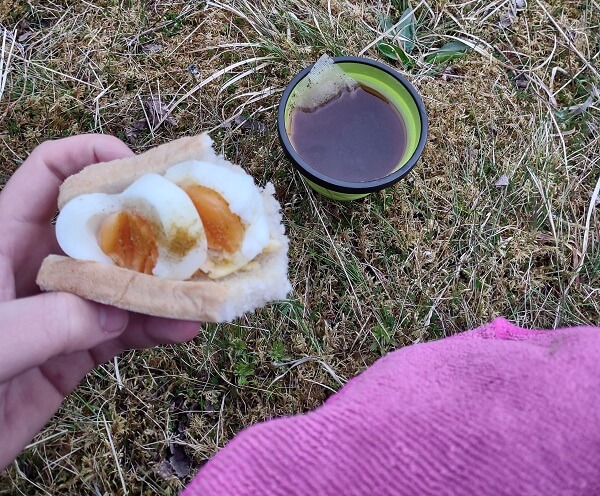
443,251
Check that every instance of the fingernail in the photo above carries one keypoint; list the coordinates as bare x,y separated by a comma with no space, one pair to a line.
113,320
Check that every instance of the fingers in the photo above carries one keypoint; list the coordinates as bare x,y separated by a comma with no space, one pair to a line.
28,201
145,332
7,279
51,324
31,193
66,371
157,331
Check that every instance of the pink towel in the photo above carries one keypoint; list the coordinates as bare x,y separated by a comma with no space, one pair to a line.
498,410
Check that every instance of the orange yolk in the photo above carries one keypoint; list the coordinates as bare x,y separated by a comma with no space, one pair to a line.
224,229
129,240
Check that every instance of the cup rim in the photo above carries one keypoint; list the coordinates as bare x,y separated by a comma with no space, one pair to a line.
339,185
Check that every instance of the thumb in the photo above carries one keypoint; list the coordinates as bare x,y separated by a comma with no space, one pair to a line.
35,329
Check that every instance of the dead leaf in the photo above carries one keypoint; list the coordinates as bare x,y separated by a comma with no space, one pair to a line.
25,36
543,238
164,469
179,460
510,16
582,107
177,404
133,131
157,112
522,81
251,125
502,181
183,423
507,19
449,74
152,48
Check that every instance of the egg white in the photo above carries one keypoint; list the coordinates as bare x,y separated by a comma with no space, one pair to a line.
151,196
244,199
78,223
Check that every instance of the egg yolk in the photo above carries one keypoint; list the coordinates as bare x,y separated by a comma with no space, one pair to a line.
130,241
224,230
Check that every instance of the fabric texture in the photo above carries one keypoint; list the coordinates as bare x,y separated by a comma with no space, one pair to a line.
497,410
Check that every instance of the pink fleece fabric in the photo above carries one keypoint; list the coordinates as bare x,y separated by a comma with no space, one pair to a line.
498,410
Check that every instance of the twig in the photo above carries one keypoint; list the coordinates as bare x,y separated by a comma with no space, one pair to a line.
118,374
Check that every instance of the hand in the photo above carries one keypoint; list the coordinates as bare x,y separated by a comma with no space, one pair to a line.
49,341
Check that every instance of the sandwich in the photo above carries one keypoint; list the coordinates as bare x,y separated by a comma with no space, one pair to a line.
177,231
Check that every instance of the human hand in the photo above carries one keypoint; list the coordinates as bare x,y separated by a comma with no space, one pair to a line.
49,341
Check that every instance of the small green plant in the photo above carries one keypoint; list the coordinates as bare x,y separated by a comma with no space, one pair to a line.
399,40
243,372
384,332
243,361
450,51
173,24
278,352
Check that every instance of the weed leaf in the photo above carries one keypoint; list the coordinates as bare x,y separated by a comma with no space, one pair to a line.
401,5
449,51
405,30
394,52
385,23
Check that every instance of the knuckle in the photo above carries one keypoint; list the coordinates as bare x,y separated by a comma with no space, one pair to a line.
65,315
42,148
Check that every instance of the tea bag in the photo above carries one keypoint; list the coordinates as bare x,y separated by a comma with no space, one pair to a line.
324,82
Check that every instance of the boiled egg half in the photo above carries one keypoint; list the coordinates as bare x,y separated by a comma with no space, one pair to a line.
151,227
231,209
197,217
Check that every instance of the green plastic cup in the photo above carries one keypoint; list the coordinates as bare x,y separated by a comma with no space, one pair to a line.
392,86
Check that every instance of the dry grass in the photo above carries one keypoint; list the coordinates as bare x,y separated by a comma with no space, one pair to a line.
443,251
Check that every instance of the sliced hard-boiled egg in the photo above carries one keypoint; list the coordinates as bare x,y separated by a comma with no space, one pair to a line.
232,212
151,227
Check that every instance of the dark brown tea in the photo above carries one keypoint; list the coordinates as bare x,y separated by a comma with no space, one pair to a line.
358,136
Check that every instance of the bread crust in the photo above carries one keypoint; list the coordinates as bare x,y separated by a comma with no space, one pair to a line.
113,177
200,299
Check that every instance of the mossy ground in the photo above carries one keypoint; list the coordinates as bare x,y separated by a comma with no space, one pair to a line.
443,251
